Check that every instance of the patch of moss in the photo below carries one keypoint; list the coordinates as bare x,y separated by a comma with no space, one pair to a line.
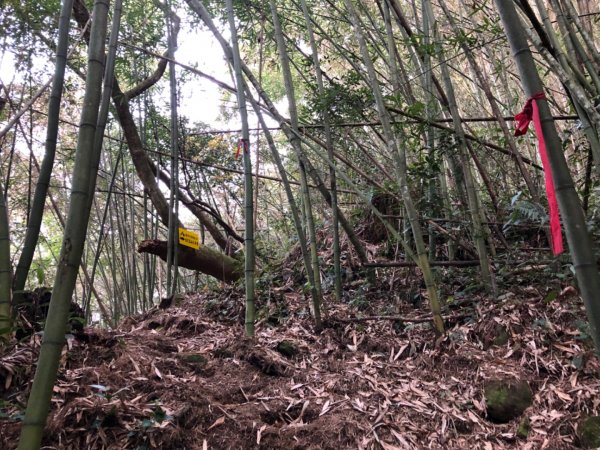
523,428
589,432
194,358
506,400
287,349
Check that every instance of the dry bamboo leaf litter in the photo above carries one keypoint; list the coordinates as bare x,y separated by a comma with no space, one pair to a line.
358,385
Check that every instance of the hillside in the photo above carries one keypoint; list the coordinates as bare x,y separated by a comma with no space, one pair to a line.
184,377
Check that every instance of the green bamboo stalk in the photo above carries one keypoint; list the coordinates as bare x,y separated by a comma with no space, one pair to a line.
289,194
431,113
397,152
201,11
248,189
123,239
111,184
133,221
366,198
73,241
101,124
589,130
5,266
590,118
447,204
580,244
573,44
173,233
577,90
61,222
586,35
41,189
113,260
5,269
329,145
485,86
567,57
297,146
479,234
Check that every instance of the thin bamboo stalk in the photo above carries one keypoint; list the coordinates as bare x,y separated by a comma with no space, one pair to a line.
249,253
41,189
400,159
329,148
296,145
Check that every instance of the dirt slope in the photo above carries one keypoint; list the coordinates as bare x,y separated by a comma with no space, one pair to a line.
185,378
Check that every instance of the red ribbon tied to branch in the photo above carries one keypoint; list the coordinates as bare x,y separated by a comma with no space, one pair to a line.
242,143
531,112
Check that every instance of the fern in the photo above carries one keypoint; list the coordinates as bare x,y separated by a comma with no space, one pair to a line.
525,211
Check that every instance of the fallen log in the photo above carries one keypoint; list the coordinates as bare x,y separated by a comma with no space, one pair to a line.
205,260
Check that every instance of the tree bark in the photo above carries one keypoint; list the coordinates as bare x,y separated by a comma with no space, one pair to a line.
205,260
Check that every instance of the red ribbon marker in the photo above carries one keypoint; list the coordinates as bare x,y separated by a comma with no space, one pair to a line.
241,143
531,112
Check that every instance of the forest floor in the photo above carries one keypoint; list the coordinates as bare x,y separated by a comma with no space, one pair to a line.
184,377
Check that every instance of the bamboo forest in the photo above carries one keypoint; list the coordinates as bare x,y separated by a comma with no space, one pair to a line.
299,224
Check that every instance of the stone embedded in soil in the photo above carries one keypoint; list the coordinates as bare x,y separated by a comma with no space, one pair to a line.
495,337
194,358
589,432
506,399
501,337
287,349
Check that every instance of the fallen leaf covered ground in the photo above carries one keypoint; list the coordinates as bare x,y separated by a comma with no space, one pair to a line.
185,377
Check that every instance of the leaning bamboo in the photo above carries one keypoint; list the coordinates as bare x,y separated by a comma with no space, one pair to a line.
297,146
399,156
5,269
41,189
73,241
329,146
201,11
248,189
479,234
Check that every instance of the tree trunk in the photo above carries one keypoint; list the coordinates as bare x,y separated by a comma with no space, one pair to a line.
143,165
205,260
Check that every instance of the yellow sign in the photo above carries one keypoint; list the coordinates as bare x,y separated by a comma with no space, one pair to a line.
189,238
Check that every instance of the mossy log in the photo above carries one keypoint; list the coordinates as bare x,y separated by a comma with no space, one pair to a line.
205,260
